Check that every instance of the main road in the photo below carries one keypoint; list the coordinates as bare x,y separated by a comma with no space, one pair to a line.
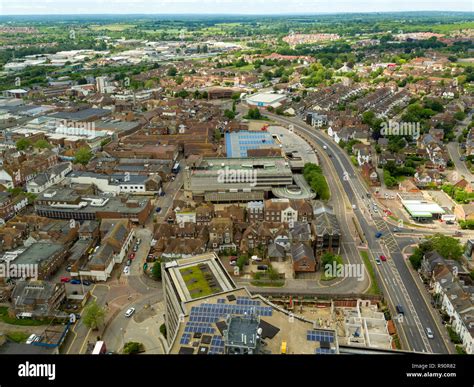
397,282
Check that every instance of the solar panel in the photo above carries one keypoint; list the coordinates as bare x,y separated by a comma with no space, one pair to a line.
324,351
185,338
320,336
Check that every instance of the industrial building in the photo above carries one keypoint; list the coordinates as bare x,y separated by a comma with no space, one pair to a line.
238,143
219,318
266,100
235,179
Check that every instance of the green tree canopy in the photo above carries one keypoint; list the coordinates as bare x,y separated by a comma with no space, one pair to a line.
23,144
83,156
93,315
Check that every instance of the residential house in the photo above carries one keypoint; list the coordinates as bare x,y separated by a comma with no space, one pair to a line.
303,258
325,229
48,178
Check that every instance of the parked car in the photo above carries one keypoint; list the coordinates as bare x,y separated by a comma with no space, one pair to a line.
129,262
75,282
135,248
65,279
69,268
396,229
126,270
132,256
158,209
129,312
429,333
262,267
86,282
33,338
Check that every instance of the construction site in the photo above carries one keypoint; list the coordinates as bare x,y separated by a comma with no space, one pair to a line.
357,322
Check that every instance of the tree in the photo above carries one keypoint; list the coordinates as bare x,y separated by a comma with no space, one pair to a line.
94,316
254,114
156,271
172,72
163,330
229,114
42,144
132,347
82,156
23,144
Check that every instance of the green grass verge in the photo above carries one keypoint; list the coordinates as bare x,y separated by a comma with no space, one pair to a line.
18,337
374,287
275,284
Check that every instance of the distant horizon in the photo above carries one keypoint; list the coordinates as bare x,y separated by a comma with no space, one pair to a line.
227,7
240,14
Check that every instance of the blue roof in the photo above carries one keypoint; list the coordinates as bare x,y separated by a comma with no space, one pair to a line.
237,143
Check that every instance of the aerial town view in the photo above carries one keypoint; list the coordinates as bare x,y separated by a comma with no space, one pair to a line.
236,177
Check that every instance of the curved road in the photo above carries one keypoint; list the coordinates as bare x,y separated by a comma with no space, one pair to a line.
399,286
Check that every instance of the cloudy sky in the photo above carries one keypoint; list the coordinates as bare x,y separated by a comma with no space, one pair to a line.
36,7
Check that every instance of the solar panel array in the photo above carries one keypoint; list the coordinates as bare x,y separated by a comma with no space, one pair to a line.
217,345
247,301
185,338
192,327
320,336
324,351
203,316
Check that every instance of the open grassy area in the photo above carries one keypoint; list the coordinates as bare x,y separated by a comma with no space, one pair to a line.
374,287
18,337
17,321
197,282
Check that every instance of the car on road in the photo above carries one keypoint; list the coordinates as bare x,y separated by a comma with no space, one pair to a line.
354,206
325,147
162,193
129,312
400,309
378,234
396,229
126,270
429,333
75,282
65,279
330,155
377,261
383,258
